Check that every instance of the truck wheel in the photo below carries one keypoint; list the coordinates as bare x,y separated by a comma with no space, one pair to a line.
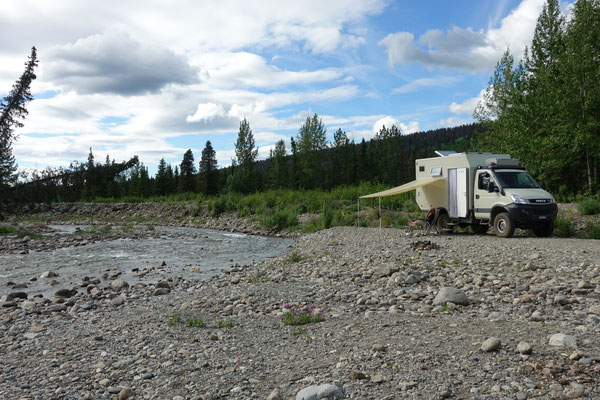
442,224
479,229
504,225
544,229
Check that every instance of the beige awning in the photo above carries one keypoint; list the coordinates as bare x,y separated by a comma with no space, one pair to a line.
407,187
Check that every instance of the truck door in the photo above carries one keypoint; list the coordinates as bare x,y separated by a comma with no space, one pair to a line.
458,192
483,200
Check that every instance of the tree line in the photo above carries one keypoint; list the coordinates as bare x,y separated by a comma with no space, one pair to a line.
545,109
311,163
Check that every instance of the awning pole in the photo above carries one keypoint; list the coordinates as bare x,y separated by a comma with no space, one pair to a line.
379,213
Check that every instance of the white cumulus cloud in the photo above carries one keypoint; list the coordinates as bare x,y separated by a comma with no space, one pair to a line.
465,48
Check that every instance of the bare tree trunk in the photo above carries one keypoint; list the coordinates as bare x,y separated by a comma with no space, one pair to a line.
595,170
589,169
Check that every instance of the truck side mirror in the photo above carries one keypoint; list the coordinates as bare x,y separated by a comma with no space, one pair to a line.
544,185
492,187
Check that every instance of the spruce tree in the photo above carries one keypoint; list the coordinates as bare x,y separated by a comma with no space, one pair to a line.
277,172
161,180
171,182
187,179
209,177
340,166
12,112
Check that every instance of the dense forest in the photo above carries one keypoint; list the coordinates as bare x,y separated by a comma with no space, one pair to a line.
543,110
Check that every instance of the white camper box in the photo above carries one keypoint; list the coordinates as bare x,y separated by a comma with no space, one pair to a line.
453,193
480,190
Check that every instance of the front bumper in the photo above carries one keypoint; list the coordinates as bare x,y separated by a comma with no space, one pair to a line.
528,214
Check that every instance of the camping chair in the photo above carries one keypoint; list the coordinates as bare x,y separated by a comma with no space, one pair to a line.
431,221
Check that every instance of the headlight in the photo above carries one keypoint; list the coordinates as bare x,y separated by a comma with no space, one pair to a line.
552,201
518,199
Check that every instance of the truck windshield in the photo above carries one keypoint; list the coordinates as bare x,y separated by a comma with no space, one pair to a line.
516,180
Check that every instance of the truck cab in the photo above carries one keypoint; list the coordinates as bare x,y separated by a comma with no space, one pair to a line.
507,197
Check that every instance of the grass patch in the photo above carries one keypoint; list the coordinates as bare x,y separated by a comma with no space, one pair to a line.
195,323
294,257
226,324
8,230
191,322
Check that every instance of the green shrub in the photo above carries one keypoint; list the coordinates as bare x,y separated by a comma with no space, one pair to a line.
592,232
563,227
588,207
279,219
395,219
327,217
217,206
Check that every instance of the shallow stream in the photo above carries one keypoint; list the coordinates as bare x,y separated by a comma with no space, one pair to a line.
190,253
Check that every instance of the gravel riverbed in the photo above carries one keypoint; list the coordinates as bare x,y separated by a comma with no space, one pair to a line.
417,317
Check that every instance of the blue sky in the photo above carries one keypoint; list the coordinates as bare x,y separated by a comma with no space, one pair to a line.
157,80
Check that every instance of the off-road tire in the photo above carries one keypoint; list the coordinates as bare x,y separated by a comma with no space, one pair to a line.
479,229
442,224
504,226
544,229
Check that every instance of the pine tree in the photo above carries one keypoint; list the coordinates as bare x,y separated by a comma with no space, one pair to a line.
12,112
187,179
209,177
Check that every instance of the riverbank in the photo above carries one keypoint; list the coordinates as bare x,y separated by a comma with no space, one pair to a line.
386,332
136,214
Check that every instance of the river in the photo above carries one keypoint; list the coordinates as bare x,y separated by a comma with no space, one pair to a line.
190,253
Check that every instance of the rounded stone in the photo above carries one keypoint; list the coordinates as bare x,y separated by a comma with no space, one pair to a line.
450,295
524,348
316,392
126,393
491,344
562,340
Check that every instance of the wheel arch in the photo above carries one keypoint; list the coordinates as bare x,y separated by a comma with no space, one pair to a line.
495,211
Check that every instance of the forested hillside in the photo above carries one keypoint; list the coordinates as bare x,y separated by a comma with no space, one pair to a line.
311,163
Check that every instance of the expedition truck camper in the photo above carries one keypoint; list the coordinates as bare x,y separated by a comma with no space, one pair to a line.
480,190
